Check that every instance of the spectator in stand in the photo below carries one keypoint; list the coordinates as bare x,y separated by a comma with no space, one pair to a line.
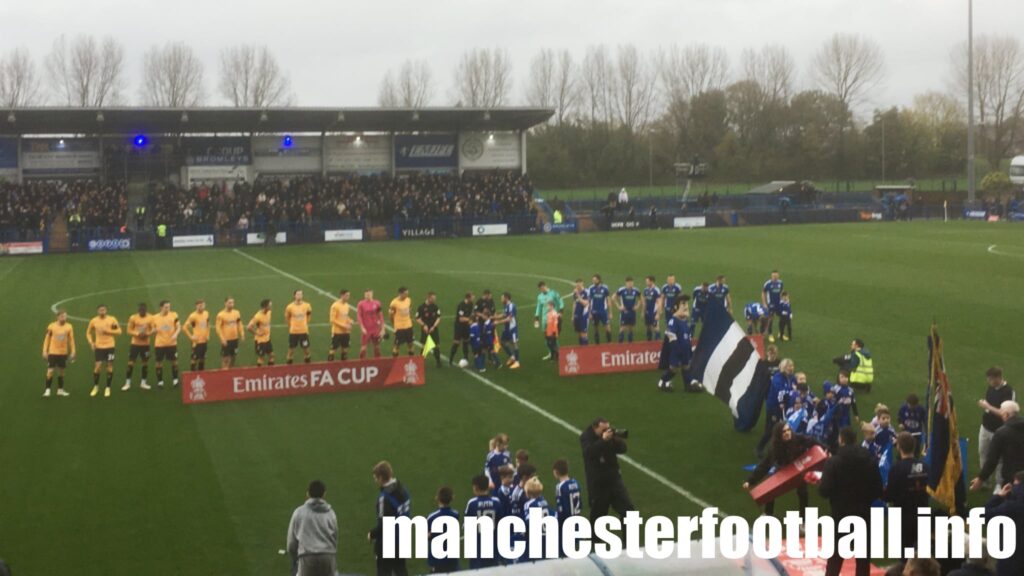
27,209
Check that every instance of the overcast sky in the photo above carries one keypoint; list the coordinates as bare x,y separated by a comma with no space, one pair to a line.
337,51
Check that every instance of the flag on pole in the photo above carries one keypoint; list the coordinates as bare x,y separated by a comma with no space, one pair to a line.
428,346
730,368
945,468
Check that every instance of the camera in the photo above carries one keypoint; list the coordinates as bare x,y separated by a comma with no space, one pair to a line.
621,433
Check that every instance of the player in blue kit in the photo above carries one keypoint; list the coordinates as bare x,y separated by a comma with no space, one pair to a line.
720,293
482,504
497,456
677,347
699,303
567,492
581,312
535,500
652,310
483,334
444,508
771,299
510,334
912,418
599,294
626,299
670,292
757,317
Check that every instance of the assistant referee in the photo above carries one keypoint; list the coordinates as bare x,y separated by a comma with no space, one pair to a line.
428,316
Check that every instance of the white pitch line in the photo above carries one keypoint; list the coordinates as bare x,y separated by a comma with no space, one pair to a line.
992,250
511,395
11,269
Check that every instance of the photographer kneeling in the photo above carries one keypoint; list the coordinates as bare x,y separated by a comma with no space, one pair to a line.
601,446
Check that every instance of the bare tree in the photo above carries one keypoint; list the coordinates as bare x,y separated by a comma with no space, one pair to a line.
250,77
413,87
19,84
553,83
848,67
597,79
691,70
998,90
172,76
772,68
633,95
483,78
85,72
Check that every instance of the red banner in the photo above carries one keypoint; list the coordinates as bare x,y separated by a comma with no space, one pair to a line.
301,379
789,476
816,566
612,358
608,358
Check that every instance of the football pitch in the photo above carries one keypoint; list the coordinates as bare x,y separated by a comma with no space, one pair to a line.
141,484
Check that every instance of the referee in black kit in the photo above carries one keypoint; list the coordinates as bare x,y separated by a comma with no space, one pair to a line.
428,316
464,316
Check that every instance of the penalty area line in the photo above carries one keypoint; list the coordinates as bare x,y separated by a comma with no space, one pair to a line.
560,422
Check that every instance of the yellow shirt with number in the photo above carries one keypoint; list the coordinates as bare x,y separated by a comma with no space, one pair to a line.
261,326
199,322
401,309
166,324
141,327
340,322
104,330
60,338
297,316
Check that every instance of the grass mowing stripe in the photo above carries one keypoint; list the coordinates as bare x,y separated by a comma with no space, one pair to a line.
513,396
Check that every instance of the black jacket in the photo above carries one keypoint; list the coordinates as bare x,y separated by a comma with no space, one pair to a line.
1013,508
1008,446
792,450
392,501
851,481
600,458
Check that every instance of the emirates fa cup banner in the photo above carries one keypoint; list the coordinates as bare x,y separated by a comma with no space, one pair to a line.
608,358
301,379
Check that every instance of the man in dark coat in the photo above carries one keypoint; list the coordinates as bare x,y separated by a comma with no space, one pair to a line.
851,482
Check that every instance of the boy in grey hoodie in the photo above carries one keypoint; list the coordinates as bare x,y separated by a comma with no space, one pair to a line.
313,534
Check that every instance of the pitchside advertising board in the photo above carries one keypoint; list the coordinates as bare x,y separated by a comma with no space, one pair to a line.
490,230
434,151
615,358
490,151
196,241
20,248
354,235
367,154
60,157
259,238
109,244
689,222
301,379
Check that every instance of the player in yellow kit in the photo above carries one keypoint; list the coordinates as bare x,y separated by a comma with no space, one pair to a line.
140,327
401,318
100,333
229,330
341,326
58,345
167,328
259,325
197,328
296,315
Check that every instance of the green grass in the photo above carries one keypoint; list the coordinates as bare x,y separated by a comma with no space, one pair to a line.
140,484
726,188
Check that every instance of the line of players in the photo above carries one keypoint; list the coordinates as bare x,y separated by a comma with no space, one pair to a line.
591,306
475,328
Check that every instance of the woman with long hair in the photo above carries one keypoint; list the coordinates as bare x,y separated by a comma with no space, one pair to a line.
786,446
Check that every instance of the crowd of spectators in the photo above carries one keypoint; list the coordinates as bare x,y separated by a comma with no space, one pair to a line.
378,199
27,209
